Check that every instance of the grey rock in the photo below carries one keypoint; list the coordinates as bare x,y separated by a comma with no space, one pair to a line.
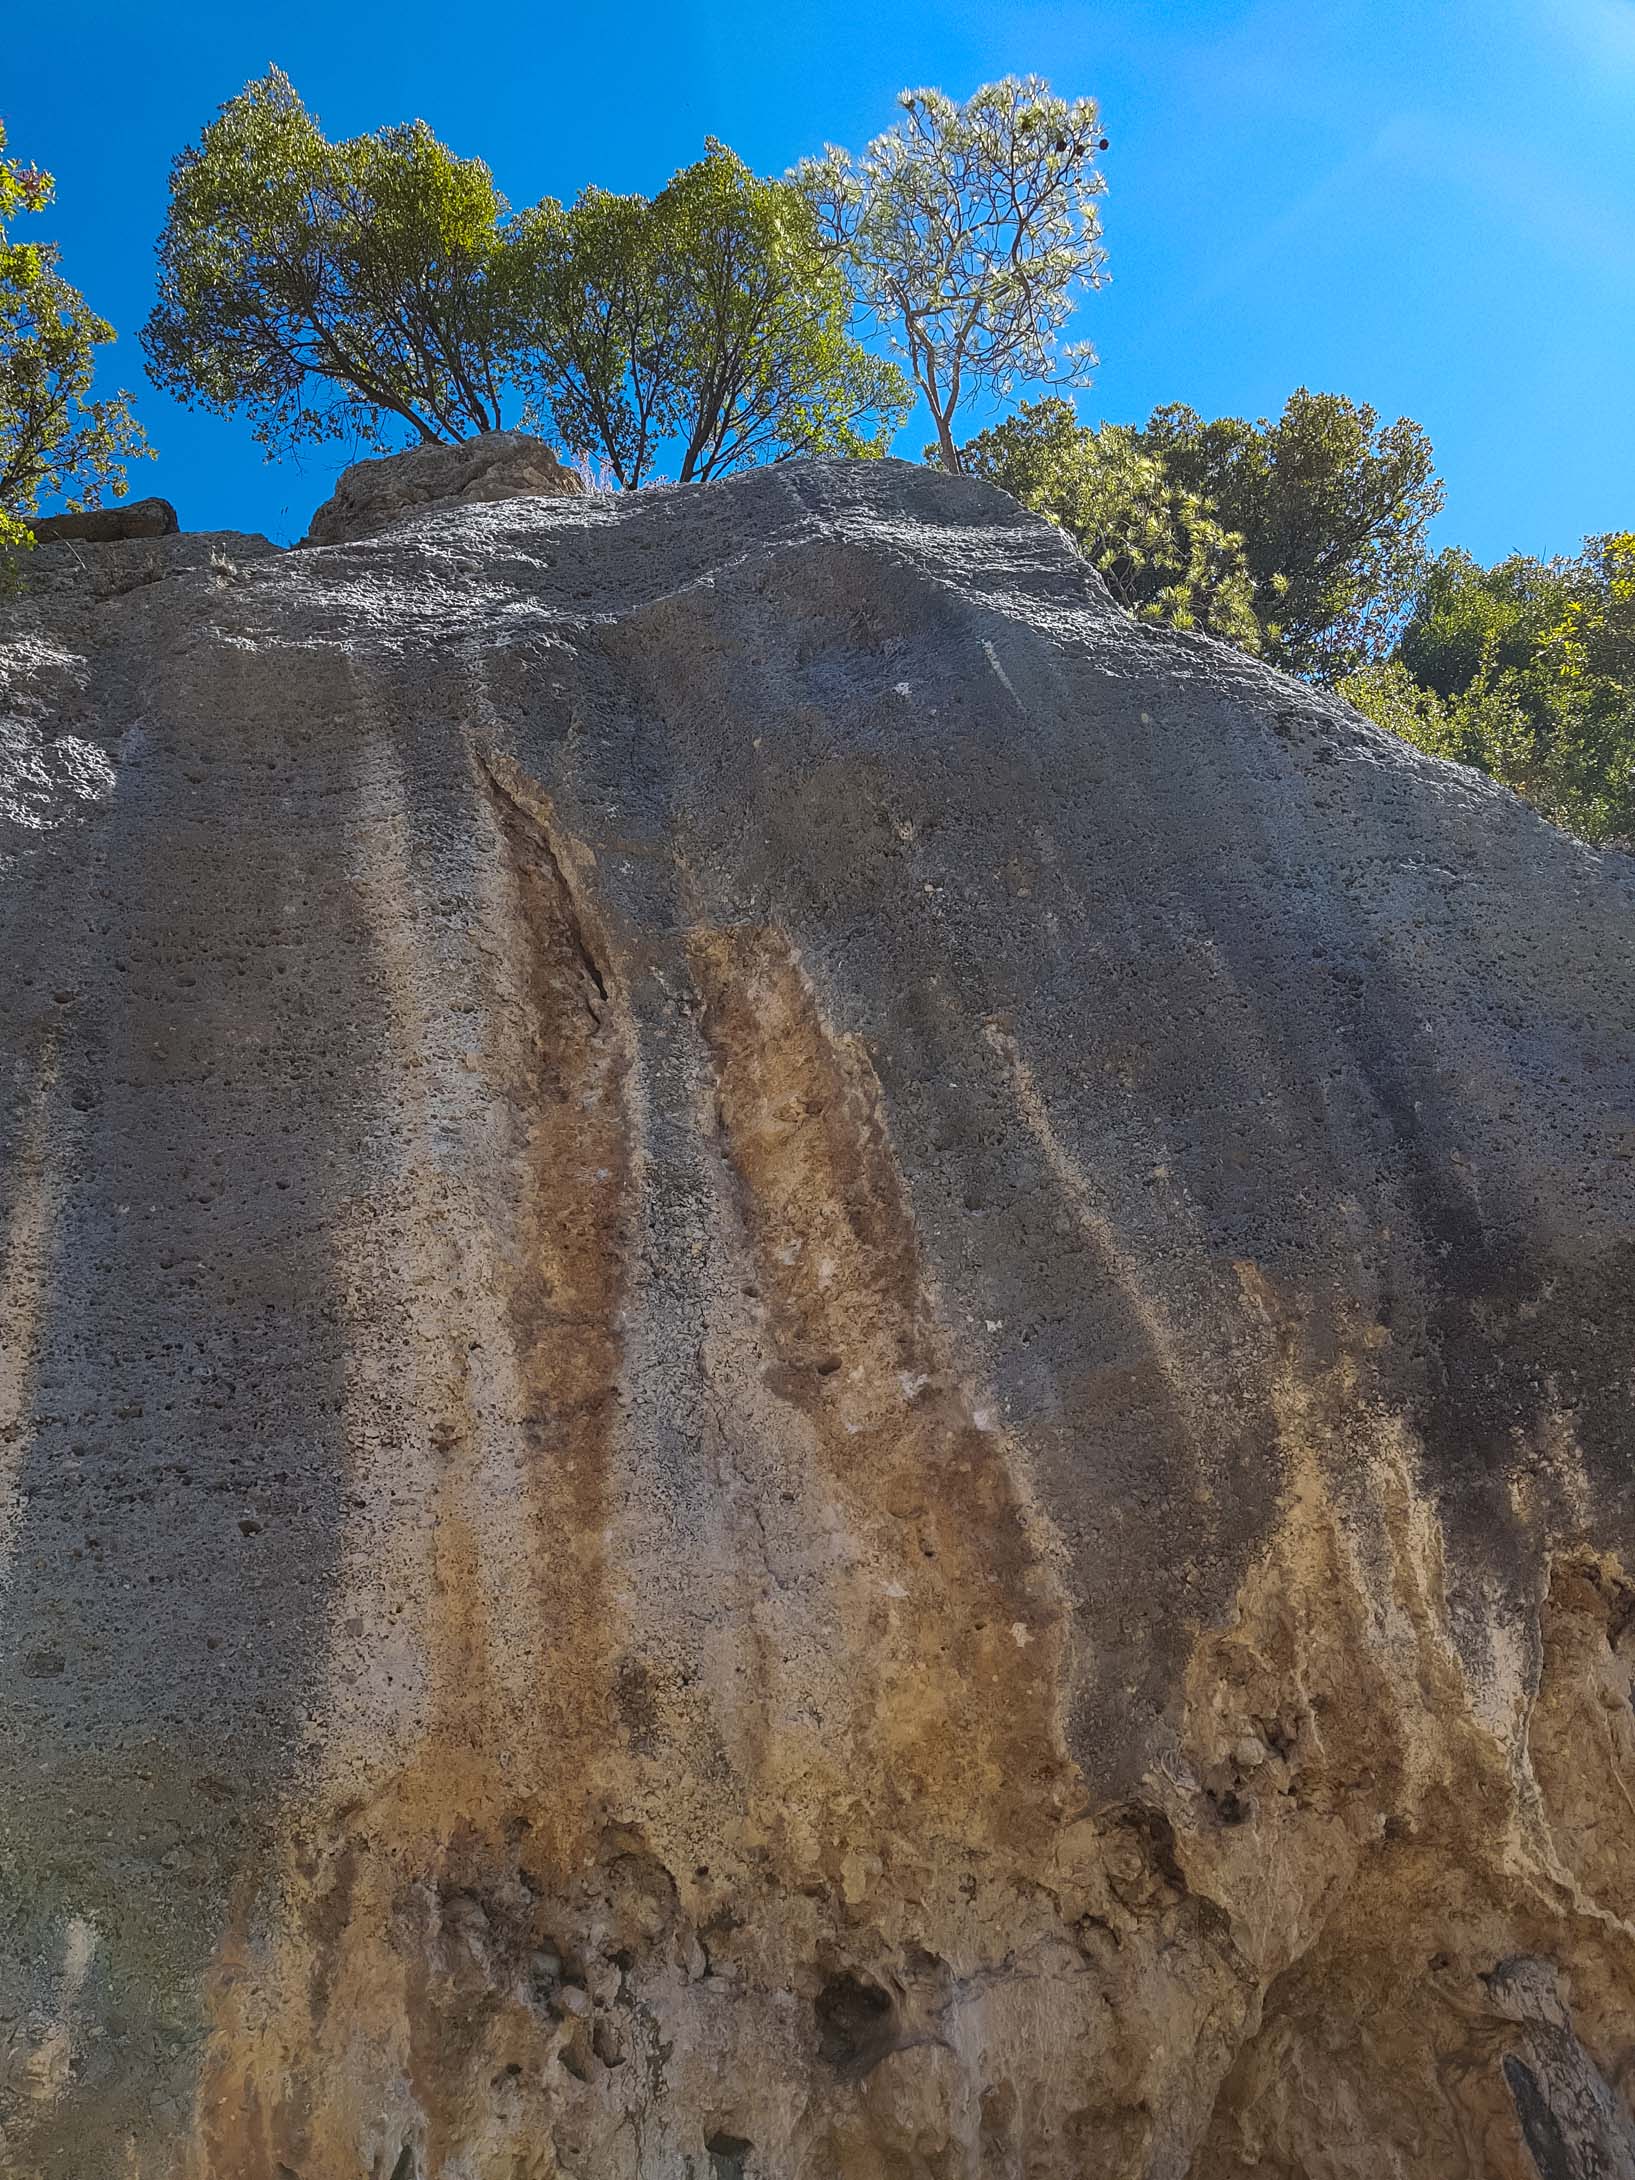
497,465
752,1267
109,525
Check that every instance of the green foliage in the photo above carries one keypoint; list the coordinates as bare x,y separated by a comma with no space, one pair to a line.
54,440
1527,670
329,288
1593,643
711,314
364,286
598,348
1156,545
1486,723
1332,507
967,230
1465,613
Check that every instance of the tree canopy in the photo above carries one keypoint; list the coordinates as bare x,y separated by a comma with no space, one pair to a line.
1527,670
54,439
1333,508
709,315
379,285
332,289
968,231
1157,546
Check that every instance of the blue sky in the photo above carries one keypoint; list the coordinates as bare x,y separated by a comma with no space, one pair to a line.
1430,207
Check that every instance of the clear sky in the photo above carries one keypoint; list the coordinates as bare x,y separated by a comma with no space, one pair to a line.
1428,205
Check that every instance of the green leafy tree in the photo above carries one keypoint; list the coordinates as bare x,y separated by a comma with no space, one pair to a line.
334,288
1527,670
599,353
968,231
1333,509
1157,546
1464,614
1591,652
54,439
1593,643
710,317
1487,723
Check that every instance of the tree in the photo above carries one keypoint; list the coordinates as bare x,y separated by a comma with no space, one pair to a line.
1332,507
1464,613
711,315
1527,670
1594,640
1487,723
1591,652
598,351
334,288
966,230
1157,546
54,440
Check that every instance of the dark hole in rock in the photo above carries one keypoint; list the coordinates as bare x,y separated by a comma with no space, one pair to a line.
404,2168
857,2022
727,2154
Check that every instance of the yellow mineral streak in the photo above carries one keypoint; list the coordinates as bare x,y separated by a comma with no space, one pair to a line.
955,1604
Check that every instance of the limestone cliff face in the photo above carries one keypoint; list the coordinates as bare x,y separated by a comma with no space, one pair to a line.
808,1367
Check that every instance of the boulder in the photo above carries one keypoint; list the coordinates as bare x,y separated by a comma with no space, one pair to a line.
810,1366
497,465
109,525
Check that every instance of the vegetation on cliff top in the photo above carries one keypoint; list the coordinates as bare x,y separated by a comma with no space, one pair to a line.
380,287
55,441
364,287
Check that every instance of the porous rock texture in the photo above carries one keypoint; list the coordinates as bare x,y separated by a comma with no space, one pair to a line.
814,1369
496,465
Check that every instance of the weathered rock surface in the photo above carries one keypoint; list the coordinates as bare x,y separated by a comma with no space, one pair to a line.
497,465
810,1367
108,525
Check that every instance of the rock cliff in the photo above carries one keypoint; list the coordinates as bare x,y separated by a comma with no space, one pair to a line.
810,1369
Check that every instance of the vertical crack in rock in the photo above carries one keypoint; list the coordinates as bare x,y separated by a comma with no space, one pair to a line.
959,1633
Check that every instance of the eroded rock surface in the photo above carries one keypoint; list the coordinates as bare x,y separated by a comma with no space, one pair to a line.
109,525
811,1367
497,465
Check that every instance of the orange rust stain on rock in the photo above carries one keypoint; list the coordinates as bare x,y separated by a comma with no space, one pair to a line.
961,1619
573,1240
399,1923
